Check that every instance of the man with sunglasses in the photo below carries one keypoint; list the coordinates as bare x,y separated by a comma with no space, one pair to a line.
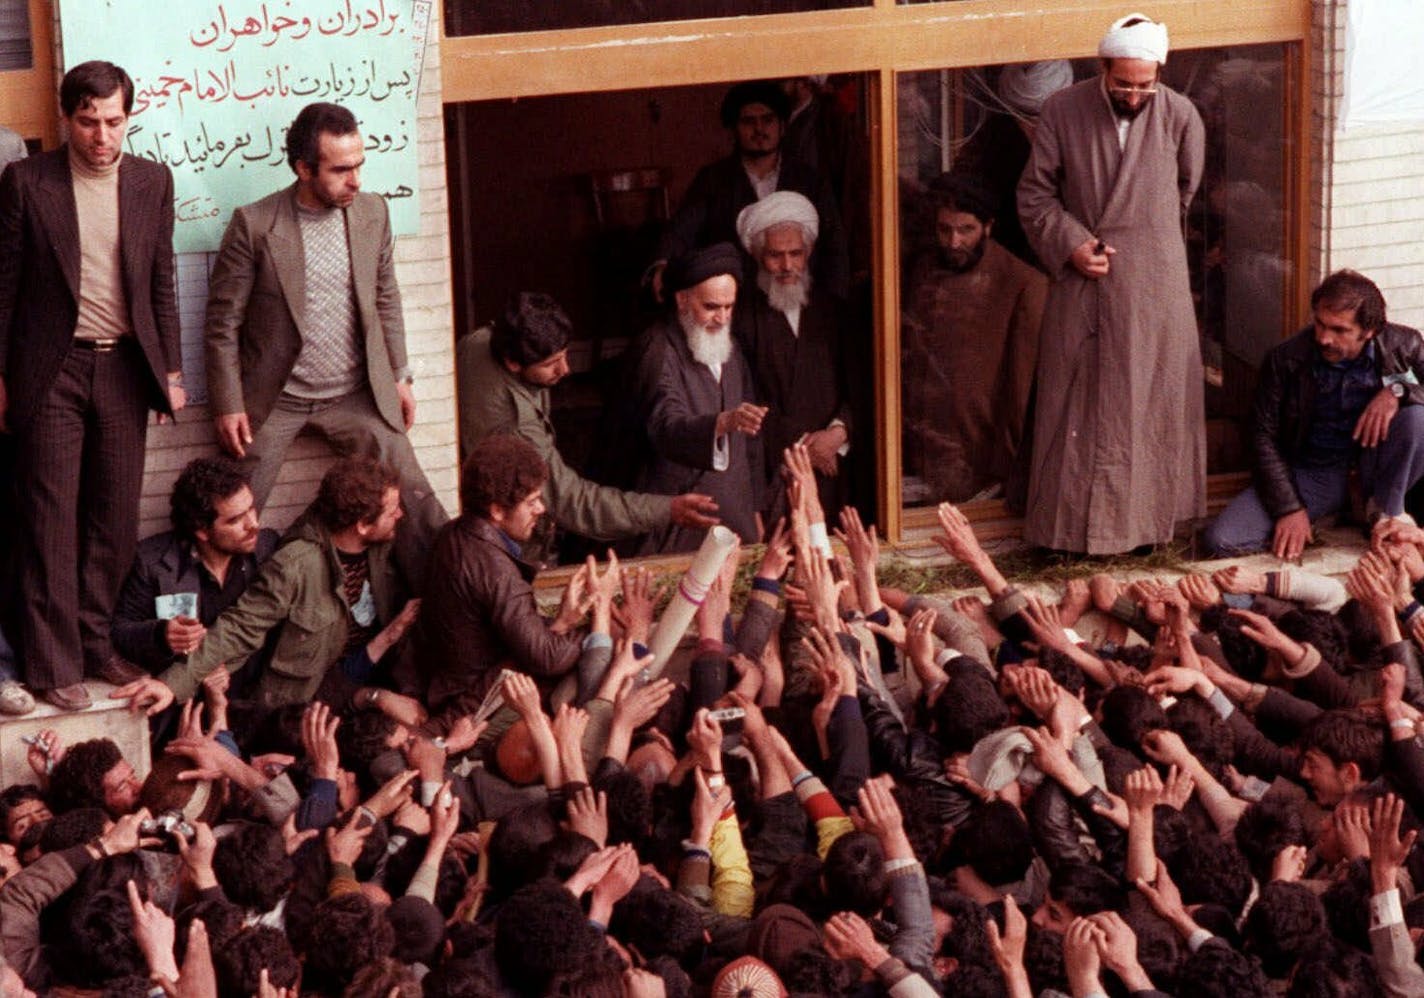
1119,443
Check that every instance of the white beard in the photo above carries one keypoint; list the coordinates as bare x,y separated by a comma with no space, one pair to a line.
712,347
785,297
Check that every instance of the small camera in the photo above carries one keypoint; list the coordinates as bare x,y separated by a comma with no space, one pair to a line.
166,825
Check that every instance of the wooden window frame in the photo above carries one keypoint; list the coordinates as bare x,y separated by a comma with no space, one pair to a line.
29,98
881,41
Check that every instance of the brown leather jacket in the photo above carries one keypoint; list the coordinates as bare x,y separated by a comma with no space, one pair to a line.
479,615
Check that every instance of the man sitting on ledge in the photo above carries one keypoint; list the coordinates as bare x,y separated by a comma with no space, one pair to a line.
1342,393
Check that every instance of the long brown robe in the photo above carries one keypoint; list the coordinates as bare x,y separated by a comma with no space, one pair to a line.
1119,438
971,340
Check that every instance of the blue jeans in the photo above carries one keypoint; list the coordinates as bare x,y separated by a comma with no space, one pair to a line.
1388,471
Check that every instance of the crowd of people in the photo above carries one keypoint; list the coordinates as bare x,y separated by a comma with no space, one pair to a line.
845,790
380,768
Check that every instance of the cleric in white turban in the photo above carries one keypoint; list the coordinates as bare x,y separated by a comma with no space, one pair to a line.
1135,36
777,208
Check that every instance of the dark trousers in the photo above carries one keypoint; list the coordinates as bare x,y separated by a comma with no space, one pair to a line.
79,471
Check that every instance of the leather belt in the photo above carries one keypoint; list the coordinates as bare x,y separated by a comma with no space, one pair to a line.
100,346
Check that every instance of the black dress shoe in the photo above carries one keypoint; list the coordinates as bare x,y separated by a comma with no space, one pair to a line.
75,697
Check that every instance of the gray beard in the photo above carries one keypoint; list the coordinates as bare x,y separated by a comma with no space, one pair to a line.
785,297
712,347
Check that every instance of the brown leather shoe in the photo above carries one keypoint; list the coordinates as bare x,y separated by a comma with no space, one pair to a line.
118,670
75,697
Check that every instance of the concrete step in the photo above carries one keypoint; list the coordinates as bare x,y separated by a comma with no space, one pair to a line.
105,718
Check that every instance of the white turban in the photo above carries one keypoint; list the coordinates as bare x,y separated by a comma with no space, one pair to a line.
1144,40
1026,86
775,209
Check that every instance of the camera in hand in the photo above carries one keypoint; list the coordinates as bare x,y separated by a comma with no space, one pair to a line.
166,825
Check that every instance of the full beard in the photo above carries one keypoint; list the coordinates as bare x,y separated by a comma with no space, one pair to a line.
1125,110
786,297
959,261
709,345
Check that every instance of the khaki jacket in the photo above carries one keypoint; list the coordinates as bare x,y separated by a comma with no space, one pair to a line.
299,590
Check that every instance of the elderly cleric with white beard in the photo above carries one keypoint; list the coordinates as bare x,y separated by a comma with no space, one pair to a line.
794,337
695,399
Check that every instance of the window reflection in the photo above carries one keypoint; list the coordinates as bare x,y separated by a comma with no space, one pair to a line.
969,326
487,17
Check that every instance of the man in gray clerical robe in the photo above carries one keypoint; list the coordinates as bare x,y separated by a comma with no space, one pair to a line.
1119,439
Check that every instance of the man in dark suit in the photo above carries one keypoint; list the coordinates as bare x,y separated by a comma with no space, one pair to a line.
304,325
88,345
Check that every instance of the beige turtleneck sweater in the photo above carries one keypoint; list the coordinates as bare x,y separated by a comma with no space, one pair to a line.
103,310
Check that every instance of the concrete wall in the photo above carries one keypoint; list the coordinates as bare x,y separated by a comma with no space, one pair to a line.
1369,207
423,269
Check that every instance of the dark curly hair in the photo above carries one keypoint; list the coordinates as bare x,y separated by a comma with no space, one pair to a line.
252,866
78,778
201,485
530,330
501,470
240,961
347,933
353,491
1285,923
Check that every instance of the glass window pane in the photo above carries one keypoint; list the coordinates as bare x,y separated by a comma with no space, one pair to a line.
970,301
488,17
15,52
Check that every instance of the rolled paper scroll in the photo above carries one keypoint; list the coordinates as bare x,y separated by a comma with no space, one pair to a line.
691,591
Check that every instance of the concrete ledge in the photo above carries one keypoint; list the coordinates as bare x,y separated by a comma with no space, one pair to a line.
104,719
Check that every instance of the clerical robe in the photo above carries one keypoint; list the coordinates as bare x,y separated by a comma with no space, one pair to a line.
970,344
800,378
1119,436
677,400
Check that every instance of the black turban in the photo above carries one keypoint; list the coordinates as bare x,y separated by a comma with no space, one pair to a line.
694,268
754,92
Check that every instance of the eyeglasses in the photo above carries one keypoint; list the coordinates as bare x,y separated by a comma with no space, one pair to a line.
1132,91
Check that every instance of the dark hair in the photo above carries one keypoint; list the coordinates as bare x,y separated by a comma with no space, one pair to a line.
1332,970
78,778
813,971
252,865
1085,889
1351,291
202,484
1344,736
1210,870
1064,670
347,932
516,848
1216,970
1323,630
362,737
961,193
99,943
239,962
463,977
995,843
91,81
766,92
974,710
630,809
530,330
1362,635
1264,829
1128,713
854,872
1208,738
658,922
72,828
13,796
1285,923
541,932
353,491
565,853
312,122
1043,959
129,986
967,940
1347,906
501,470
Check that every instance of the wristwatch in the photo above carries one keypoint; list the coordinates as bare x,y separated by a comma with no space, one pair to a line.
1396,389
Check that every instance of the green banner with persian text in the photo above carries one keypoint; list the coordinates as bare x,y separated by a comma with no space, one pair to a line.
217,84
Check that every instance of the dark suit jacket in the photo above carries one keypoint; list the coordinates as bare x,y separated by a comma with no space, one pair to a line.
257,299
39,273
708,215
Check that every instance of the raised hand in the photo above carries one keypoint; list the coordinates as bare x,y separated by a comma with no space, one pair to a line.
588,815
319,726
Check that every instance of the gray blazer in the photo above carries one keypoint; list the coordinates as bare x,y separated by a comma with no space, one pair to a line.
257,294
